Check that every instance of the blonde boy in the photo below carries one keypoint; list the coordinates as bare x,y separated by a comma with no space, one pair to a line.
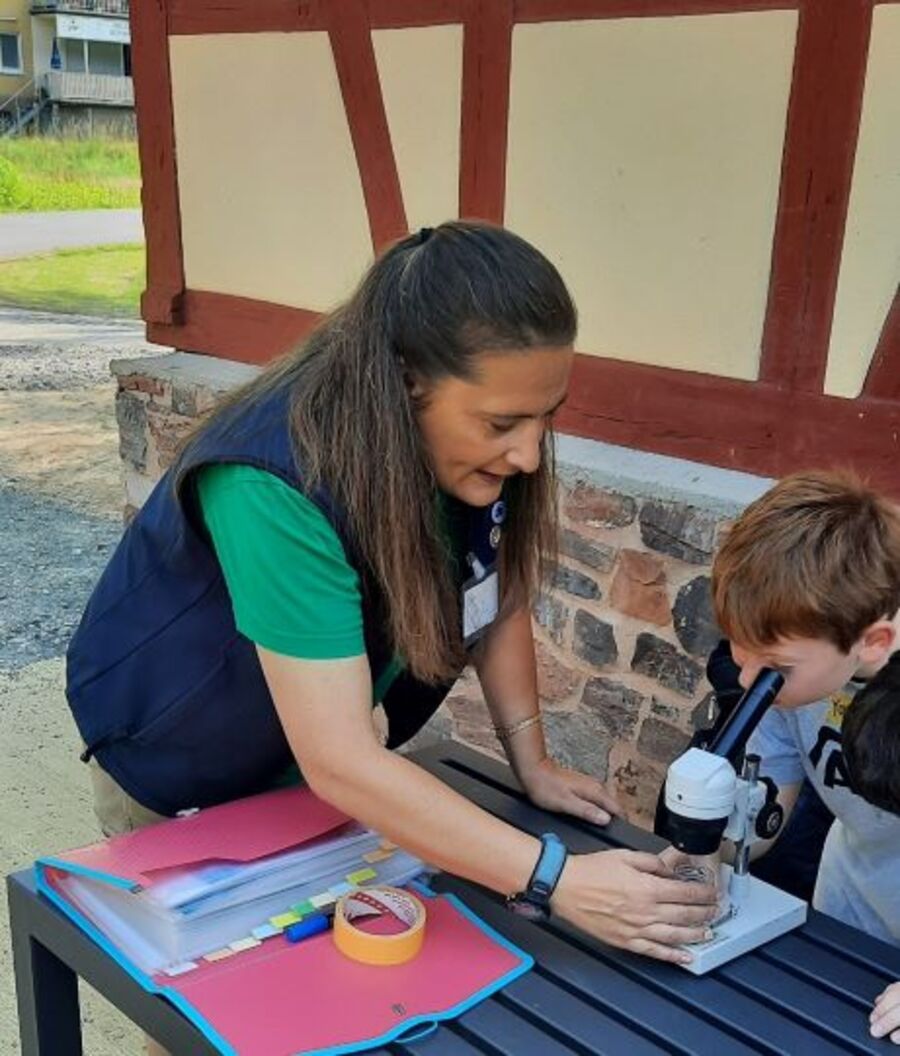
808,582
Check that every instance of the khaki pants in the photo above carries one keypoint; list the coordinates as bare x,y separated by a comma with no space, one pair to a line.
116,811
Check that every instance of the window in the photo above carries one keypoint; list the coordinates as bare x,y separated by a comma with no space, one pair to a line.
10,53
105,58
73,56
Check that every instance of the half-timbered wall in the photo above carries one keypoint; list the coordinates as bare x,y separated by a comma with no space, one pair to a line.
718,180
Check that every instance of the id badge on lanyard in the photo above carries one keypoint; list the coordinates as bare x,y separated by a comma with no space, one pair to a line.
481,592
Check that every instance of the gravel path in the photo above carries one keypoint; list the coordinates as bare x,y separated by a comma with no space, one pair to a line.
52,557
55,539
42,350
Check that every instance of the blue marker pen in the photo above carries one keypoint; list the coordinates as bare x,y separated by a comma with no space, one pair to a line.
305,929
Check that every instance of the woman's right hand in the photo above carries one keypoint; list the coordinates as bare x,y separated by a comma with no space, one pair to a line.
631,900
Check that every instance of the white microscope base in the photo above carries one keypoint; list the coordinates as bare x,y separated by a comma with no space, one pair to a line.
765,913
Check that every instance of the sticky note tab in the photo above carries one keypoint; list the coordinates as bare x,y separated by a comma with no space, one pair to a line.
244,944
340,889
377,856
361,876
218,955
327,898
284,919
265,931
180,968
304,908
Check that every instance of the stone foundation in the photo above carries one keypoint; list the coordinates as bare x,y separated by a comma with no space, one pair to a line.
159,401
623,630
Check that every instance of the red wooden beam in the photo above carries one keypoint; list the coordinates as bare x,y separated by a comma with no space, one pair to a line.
883,378
237,16
403,14
161,301
357,70
820,147
487,50
286,16
751,426
572,10
238,328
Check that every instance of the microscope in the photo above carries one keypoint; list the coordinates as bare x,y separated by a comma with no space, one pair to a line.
714,791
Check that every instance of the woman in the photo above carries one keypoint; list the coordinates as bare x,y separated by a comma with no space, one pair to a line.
332,538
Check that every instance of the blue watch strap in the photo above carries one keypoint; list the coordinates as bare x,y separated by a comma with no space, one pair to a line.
548,868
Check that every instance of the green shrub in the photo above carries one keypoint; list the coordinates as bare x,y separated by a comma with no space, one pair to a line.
11,185
50,174
43,195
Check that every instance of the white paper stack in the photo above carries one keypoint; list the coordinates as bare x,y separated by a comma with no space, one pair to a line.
192,910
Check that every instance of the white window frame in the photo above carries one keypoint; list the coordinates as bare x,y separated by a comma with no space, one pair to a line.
9,69
86,54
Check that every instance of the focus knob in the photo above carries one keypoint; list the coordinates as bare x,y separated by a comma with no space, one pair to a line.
769,820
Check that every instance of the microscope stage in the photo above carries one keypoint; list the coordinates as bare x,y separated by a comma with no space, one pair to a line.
764,913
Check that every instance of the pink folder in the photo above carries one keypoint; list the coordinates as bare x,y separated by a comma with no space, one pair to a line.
241,831
280,998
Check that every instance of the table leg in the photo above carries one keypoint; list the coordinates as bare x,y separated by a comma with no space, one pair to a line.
46,991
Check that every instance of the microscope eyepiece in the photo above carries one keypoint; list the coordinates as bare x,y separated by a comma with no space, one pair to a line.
731,739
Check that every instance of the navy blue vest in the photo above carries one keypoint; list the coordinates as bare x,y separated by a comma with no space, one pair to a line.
166,693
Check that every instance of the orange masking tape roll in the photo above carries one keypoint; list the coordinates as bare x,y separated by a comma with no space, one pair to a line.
372,948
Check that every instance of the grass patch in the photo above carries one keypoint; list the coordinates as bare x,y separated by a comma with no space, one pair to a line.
40,173
105,280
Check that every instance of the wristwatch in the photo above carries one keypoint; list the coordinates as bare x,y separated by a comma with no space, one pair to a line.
534,901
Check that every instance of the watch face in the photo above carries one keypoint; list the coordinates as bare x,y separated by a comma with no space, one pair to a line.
525,908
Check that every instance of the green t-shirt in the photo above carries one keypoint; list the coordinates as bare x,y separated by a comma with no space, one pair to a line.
292,588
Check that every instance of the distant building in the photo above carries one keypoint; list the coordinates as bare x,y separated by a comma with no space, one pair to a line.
65,63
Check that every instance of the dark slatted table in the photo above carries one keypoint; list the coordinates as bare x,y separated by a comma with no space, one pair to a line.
806,993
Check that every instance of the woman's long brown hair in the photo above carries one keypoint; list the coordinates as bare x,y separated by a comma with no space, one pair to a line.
423,312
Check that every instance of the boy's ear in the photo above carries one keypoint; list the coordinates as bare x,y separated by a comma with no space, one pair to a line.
877,641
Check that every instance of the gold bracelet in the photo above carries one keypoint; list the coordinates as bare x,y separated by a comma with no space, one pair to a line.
504,733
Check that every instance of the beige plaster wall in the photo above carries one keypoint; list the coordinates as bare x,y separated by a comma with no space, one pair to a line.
870,266
645,155
271,203
16,18
421,81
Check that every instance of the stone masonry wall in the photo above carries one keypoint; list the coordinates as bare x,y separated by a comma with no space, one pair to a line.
622,636
622,633
158,402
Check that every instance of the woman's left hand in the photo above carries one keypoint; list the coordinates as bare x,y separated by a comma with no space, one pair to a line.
554,787
885,1018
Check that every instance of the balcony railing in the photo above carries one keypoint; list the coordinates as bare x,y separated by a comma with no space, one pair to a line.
98,88
81,7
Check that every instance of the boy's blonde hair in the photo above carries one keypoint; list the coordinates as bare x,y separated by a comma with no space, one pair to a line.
817,556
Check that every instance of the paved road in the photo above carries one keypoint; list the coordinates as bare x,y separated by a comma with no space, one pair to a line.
25,233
